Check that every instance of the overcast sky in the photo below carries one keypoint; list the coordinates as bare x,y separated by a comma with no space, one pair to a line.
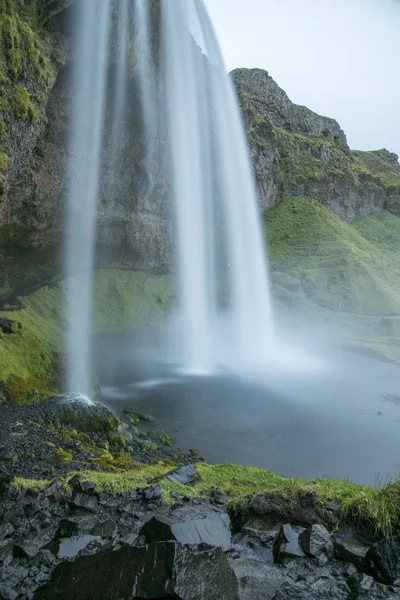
341,58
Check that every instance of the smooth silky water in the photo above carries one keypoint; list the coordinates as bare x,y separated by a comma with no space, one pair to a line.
221,378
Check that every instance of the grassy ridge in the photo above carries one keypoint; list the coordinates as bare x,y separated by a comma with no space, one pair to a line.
378,509
319,258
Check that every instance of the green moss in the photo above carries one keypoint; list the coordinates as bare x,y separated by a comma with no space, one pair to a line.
374,162
23,106
23,391
379,509
61,456
333,264
4,162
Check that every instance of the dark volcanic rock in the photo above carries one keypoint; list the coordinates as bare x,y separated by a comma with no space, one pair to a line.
184,475
152,492
384,559
189,527
314,539
256,580
351,550
287,544
158,570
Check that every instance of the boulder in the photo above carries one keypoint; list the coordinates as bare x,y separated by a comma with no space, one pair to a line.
158,570
314,539
256,580
287,544
383,559
85,501
153,492
351,550
185,475
75,412
189,527
76,526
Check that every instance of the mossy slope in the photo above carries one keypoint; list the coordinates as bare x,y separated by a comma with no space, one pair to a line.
318,258
123,301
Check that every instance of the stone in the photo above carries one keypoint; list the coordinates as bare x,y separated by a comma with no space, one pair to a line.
76,526
153,492
383,559
53,492
82,416
107,528
159,570
203,574
322,589
85,501
257,581
314,539
287,544
129,539
8,454
7,593
6,530
29,545
185,475
5,482
189,527
6,549
350,550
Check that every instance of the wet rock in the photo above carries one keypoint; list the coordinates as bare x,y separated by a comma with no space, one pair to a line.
124,574
107,528
153,492
257,581
383,559
129,539
287,544
6,530
217,497
314,539
76,526
185,475
189,527
350,550
7,593
5,482
333,505
139,415
6,549
29,545
85,501
364,587
322,589
203,574
8,454
53,492
72,411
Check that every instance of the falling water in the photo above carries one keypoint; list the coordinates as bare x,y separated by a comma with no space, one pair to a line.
84,169
212,176
223,304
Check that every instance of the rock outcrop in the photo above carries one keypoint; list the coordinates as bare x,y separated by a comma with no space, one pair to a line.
297,152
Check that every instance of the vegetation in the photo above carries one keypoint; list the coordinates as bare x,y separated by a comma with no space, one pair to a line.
378,509
22,103
124,301
4,162
319,258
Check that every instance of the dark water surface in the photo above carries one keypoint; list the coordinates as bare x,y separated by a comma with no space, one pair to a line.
341,420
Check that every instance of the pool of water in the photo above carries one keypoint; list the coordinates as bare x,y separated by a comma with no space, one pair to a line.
340,419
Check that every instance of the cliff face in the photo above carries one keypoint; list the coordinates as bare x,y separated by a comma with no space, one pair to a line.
296,152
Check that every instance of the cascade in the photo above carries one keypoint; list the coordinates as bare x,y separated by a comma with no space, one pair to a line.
223,316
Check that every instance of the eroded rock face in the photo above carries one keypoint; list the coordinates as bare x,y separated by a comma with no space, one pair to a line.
296,152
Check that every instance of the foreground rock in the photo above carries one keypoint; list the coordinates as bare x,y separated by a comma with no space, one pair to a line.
159,570
87,543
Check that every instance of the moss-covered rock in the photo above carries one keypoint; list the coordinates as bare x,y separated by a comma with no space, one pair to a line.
72,412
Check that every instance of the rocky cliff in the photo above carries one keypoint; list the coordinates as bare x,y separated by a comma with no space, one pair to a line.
296,152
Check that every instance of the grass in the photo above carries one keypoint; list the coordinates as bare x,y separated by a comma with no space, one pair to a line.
124,301
379,509
374,162
318,258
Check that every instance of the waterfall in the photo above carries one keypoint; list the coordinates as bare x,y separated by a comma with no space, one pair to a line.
223,313
89,85
215,202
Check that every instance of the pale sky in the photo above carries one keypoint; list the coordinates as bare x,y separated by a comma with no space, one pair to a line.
341,58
